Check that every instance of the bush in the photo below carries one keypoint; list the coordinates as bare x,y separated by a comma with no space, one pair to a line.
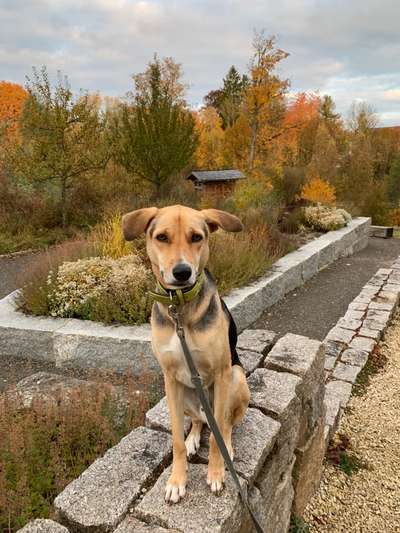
46,446
322,218
318,191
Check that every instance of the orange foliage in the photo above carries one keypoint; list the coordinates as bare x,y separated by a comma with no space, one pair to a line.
12,98
318,191
209,128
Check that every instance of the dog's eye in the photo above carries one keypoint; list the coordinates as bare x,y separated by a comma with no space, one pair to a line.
196,237
162,237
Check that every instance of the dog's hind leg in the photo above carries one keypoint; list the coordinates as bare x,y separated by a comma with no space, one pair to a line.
192,441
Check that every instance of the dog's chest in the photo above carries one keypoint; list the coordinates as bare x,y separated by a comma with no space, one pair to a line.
170,353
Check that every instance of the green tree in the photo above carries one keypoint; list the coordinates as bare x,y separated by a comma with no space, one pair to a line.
62,138
393,184
156,131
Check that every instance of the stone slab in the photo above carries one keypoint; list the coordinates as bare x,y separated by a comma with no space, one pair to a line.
340,335
274,393
256,340
345,372
250,360
158,417
349,323
43,525
252,441
132,525
363,343
101,496
199,511
354,357
333,348
337,395
330,362
375,334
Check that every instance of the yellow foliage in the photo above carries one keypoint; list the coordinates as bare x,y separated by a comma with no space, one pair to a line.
211,135
108,236
319,191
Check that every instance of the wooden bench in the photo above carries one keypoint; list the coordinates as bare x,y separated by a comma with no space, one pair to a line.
386,232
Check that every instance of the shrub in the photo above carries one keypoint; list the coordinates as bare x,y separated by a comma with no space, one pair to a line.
101,289
318,191
44,447
322,218
109,238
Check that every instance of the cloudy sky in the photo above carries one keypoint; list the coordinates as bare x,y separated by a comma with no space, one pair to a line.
347,48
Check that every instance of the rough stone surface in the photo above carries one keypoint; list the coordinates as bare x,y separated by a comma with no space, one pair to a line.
345,372
333,348
273,392
340,335
250,360
354,357
256,340
337,394
158,417
330,362
43,526
252,441
352,314
308,468
375,334
102,495
133,525
199,511
349,323
363,343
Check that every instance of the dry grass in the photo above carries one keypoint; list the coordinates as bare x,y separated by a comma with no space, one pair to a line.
44,447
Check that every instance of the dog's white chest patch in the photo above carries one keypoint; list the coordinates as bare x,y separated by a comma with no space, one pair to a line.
173,349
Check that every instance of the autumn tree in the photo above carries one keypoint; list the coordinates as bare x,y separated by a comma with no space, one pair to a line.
156,134
209,152
263,99
12,98
61,138
393,186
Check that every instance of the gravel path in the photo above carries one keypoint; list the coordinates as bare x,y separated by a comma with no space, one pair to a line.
312,310
369,500
11,267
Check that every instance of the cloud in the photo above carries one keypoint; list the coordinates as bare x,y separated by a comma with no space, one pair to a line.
348,49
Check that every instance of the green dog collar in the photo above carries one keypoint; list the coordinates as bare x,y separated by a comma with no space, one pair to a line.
177,296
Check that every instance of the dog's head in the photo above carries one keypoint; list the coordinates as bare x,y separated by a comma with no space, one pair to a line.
177,239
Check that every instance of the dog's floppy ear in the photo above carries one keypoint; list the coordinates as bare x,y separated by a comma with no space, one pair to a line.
136,222
221,219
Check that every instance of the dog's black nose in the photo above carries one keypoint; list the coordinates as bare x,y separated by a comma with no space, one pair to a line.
182,272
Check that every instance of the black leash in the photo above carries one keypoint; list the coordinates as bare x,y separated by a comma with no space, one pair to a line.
197,382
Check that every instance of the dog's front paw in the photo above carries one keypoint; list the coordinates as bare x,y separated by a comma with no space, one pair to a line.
215,479
192,444
175,490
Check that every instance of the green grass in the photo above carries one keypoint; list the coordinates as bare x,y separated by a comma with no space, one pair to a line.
341,454
29,240
298,525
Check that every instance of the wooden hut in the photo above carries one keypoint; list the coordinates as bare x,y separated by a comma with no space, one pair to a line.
219,183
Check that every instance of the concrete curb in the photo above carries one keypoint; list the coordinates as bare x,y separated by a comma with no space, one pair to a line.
93,345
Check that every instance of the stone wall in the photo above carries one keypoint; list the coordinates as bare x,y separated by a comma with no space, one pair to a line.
92,345
279,448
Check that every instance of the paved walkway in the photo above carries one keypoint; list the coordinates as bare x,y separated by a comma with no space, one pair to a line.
312,310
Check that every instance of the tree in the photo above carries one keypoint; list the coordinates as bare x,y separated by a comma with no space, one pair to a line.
393,184
12,98
211,136
156,132
327,109
61,137
362,118
264,93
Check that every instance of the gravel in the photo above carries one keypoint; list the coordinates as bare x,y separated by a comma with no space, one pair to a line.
369,500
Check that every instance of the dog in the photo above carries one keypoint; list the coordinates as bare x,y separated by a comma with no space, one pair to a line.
177,243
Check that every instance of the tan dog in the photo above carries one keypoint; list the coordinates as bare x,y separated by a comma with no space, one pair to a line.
177,245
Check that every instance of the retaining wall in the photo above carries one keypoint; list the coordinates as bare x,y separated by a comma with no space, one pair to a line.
93,345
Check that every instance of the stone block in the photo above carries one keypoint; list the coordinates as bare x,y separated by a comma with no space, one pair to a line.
274,393
330,362
102,495
354,357
291,266
345,372
358,306
132,525
43,525
371,333
333,348
250,360
307,470
386,296
373,325
252,441
363,343
158,417
305,358
378,316
340,335
380,306
337,395
199,511
256,340
391,287
353,314
349,323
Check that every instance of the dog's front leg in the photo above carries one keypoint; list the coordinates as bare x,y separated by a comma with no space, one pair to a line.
216,466
176,485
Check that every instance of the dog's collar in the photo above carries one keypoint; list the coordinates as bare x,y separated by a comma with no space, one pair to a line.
177,296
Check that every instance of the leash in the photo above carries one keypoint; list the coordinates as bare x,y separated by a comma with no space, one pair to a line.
197,382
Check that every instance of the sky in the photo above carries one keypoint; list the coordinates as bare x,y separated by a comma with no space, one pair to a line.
349,49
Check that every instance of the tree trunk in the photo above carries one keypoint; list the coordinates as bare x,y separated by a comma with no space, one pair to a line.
254,131
64,203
